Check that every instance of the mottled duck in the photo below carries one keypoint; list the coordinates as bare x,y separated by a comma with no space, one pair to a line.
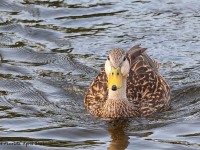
129,85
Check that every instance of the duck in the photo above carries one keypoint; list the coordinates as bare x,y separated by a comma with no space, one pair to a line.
128,86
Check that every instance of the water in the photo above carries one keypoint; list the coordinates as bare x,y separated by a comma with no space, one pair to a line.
51,50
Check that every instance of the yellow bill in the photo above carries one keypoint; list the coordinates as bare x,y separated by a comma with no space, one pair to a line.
115,78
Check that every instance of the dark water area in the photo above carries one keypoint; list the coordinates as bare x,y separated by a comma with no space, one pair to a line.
51,50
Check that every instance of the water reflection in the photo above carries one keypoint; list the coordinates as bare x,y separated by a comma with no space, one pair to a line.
119,139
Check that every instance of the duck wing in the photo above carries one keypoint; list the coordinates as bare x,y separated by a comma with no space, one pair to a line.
146,88
96,94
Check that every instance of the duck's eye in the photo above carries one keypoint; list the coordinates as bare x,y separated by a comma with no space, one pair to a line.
108,58
124,59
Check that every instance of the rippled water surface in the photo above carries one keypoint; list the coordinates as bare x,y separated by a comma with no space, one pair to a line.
51,50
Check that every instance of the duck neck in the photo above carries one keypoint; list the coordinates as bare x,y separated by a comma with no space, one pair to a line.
119,94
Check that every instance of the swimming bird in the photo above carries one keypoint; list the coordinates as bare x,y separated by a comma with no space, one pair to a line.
129,85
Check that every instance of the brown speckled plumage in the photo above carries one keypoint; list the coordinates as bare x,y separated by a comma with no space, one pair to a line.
146,90
118,53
